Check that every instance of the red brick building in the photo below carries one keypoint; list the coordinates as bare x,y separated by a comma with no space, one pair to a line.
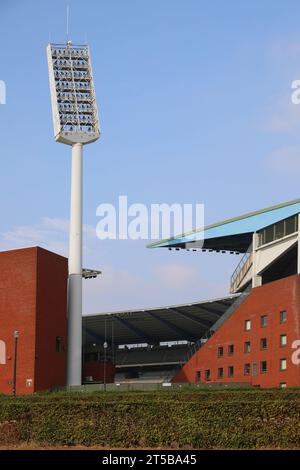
255,344
33,301
258,340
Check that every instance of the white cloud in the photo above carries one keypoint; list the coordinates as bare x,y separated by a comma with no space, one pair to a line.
175,275
49,233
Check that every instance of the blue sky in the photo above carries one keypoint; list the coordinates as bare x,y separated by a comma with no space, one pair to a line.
195,107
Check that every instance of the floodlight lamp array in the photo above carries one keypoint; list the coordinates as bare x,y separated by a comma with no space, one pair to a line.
74,108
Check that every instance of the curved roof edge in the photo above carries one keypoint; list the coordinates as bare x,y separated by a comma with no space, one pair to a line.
247,223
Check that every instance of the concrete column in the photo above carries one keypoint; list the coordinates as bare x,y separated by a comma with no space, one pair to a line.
298,243
256,279
75,271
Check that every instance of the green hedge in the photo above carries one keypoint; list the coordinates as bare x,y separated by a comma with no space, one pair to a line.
204,419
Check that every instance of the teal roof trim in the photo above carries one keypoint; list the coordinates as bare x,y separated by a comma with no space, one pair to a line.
249,223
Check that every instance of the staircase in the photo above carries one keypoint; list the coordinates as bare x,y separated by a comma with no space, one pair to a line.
241,270
227,314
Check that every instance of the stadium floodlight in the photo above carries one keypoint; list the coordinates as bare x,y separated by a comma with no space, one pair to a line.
76,122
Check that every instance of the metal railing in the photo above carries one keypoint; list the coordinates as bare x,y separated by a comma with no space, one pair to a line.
231,309
241,269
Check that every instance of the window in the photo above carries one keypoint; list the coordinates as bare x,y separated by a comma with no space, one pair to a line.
263,367
220,351
269,234
283,340
291,225
220,373
263,344
230,371
207,374
279,230
247,369
283,365
283,316
198,376
58,344
263,321
248,325
247,347
230,350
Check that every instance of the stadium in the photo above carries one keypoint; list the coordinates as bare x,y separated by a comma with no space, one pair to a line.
248,338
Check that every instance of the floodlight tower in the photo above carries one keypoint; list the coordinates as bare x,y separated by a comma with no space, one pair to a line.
76,122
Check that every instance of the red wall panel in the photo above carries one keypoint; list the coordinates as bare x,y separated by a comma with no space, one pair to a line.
33,300
269,299
96,370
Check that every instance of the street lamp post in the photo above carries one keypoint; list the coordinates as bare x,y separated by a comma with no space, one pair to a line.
105,345
16,337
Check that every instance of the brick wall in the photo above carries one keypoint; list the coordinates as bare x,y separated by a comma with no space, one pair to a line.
33,299
269,299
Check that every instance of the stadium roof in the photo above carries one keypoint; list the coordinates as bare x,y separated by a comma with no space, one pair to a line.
174,323
232,234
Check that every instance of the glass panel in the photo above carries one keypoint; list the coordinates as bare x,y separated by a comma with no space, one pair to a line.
264,320
283,316
282,364
290,225
269,234
279,230
283,340
263,367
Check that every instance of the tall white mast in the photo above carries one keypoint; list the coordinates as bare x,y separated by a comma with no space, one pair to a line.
76,122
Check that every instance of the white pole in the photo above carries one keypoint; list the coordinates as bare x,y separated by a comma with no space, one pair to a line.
75,271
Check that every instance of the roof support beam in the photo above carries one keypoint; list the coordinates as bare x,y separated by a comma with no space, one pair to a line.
183,334
143,336
212,311
97,337
204,323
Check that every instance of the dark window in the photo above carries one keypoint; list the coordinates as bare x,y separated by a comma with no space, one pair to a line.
198,376
58,344
283,316
263,344
247,369
291,225
279,230
247,347
230,371
263,367
220,373
220,351
269,234
207,374
263,321
230,350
